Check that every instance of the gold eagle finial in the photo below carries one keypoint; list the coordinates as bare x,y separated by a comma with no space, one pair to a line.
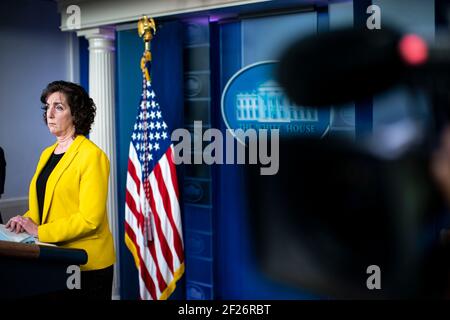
146,30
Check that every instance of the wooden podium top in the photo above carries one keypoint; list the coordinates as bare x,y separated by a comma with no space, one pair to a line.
42,252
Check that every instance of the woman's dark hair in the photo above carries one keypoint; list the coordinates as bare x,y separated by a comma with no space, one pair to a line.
81,105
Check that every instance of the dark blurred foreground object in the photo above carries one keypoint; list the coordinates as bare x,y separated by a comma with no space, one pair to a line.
334,209
340,66
350,63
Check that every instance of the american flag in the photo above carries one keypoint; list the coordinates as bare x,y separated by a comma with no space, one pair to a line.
153,230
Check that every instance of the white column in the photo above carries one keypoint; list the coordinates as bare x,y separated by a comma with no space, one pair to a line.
103,134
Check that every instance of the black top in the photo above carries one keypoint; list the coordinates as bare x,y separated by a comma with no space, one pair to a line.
41,181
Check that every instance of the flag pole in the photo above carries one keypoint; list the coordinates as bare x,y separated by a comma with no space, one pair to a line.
146,30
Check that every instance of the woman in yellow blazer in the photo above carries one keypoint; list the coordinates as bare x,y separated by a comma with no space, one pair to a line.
68,192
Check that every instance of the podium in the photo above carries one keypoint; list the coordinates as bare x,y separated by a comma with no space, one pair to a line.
35,271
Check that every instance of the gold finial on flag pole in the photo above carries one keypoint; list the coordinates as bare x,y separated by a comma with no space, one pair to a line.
146,30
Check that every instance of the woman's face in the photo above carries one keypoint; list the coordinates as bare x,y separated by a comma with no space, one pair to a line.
59,116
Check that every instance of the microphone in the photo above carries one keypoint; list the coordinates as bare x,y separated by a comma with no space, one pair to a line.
348,64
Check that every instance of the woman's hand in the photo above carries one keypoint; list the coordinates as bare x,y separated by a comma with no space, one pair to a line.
14,225
20,224
29,226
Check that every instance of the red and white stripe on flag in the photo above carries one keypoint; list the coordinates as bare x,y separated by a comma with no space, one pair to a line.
160,258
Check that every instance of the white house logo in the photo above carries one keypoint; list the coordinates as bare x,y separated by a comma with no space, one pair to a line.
252,99
270,104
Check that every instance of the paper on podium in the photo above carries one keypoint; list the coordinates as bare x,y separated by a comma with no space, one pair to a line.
45,243
22,237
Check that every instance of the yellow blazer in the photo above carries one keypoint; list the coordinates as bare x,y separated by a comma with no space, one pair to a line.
74,213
